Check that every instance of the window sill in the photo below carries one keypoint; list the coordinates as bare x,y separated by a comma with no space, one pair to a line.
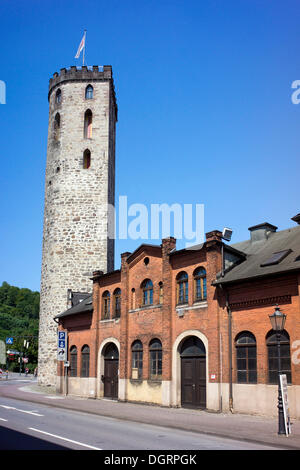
136,381
145,307
199,301
196,305
154,381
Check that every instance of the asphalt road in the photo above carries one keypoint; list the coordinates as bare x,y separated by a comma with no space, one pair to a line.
32,426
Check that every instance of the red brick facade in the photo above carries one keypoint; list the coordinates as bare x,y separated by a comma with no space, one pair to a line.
249,304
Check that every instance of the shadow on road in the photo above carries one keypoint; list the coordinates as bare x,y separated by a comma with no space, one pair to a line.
15,440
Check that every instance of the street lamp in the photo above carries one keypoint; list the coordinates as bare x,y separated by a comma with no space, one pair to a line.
277,320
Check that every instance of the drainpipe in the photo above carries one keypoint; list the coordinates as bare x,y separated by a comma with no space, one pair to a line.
229,345
221,374
229,351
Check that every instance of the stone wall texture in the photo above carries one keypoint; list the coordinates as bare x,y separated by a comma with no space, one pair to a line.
77,222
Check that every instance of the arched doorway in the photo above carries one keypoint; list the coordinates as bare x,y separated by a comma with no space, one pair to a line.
111,371
193,373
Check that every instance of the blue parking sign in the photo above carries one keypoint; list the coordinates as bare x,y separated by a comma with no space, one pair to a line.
62,340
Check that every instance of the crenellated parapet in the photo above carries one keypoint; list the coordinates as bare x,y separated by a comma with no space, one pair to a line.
94,73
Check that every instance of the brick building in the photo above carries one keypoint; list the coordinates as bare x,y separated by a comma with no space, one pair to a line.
191,327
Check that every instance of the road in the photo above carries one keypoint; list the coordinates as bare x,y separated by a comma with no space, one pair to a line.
32,426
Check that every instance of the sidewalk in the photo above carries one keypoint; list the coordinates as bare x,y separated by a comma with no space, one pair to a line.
236,426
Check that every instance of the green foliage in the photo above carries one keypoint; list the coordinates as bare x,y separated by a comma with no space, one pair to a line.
19,318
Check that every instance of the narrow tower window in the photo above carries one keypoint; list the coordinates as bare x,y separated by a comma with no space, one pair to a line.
88,118
86,159
58,96
89,92
57,126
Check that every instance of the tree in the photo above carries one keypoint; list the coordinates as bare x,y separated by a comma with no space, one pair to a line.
19,318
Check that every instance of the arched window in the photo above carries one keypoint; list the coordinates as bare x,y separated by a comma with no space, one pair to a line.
105,305
117,303
58,96
161,293
137,360
57,126
89,91
132,298
200,292
85,361
73,361
182,288
285,358
147,288
88,119
246,368
86,159
155,349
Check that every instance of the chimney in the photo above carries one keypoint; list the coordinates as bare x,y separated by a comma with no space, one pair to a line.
261,232
168,244
215,235
296,219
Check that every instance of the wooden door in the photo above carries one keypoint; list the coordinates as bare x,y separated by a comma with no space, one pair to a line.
193,382
111,378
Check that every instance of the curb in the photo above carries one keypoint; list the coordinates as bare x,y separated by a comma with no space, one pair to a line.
73,407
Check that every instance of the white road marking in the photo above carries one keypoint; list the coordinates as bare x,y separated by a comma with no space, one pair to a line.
2,419
55,398
65,439
22,411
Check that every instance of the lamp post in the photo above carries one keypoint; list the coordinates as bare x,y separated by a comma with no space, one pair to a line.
277,320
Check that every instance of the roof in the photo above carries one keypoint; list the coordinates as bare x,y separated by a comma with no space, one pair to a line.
260,260
86,305
140,249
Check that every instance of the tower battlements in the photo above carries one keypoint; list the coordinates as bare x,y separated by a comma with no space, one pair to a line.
94,73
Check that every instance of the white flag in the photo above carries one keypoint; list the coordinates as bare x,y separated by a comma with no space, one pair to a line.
81,46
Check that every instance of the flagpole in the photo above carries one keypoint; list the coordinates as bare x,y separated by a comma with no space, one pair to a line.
84,48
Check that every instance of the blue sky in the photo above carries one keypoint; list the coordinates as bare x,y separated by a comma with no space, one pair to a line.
205,110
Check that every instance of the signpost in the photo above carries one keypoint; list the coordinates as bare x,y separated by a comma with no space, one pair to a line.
62,352
284,395
62,346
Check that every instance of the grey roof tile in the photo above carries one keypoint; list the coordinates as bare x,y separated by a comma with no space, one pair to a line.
259,252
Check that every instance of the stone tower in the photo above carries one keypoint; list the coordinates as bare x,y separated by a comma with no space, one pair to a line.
80,183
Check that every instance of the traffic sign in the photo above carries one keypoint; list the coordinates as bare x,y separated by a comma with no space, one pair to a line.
9,340
62,347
